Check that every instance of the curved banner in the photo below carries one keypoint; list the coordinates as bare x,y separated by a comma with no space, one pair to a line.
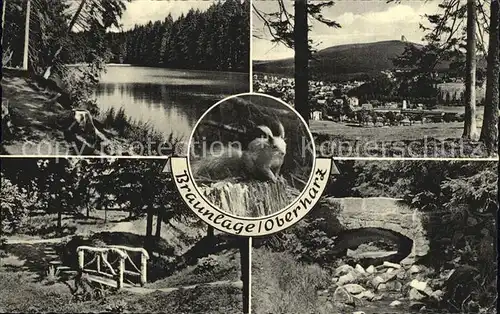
251,226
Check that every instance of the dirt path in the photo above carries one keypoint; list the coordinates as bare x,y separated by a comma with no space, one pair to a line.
35,241
34,116
178,234
41,126
145,290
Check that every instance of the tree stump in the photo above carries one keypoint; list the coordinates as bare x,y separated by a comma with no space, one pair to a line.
79,127
250,199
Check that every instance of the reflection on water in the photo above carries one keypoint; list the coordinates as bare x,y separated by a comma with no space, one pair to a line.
171,100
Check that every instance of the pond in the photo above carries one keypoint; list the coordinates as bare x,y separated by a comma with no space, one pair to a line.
170,100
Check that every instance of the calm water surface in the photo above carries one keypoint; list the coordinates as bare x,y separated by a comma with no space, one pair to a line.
171,100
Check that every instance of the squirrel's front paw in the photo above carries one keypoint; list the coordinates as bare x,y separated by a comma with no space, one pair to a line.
268,175
273,178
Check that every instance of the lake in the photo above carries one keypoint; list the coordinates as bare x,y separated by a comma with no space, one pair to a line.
171,100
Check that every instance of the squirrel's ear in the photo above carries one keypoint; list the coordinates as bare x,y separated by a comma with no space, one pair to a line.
264,131
281,130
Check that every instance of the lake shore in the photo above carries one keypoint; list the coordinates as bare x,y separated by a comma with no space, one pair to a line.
142,115
169,100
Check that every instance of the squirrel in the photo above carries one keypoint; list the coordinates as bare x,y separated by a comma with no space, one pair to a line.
260,159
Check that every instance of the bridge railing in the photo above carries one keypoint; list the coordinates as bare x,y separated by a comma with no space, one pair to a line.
137,270
112,261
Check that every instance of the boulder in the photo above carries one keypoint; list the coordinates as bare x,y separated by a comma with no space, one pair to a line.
414,269
348,278
415,295
408,261
437,295
428,291
388,276
367,295
391,265
382,287
343,270
354,288
401,274
370,269
395,303
421,286
360,269
436,283
394,285
376,281
341,296
418,285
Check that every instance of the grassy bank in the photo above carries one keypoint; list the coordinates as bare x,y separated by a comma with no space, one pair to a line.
281,285
28,287
41,125
139,135
19,294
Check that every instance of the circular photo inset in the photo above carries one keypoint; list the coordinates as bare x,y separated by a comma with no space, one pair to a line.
251,155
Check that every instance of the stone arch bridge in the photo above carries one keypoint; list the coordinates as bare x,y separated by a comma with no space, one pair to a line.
369,219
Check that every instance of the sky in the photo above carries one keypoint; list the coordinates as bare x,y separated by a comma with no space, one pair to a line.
143,11
361,21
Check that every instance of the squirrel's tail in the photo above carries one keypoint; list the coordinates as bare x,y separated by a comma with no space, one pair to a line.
225,163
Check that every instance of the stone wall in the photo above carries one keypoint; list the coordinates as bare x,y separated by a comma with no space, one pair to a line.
384,213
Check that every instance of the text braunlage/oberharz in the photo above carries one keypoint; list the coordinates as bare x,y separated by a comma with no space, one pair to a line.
246,226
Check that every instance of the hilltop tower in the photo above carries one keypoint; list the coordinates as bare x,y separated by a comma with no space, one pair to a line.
403,38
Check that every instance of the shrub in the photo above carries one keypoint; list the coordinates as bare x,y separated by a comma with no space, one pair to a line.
3,247
117,120
312,240
461,204
160,267
207,264
117,306
136,131
80,83
15,206
283,285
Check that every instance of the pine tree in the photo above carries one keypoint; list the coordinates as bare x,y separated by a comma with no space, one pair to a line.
489,130
216,39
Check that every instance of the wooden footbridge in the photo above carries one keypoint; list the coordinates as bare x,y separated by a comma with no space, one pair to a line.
114,266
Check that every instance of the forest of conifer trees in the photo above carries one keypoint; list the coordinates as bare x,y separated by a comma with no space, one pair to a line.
217,39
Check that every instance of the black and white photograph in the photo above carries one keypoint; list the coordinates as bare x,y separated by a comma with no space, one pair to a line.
113,236
116,77
108,236
384,78
388,237
251,155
